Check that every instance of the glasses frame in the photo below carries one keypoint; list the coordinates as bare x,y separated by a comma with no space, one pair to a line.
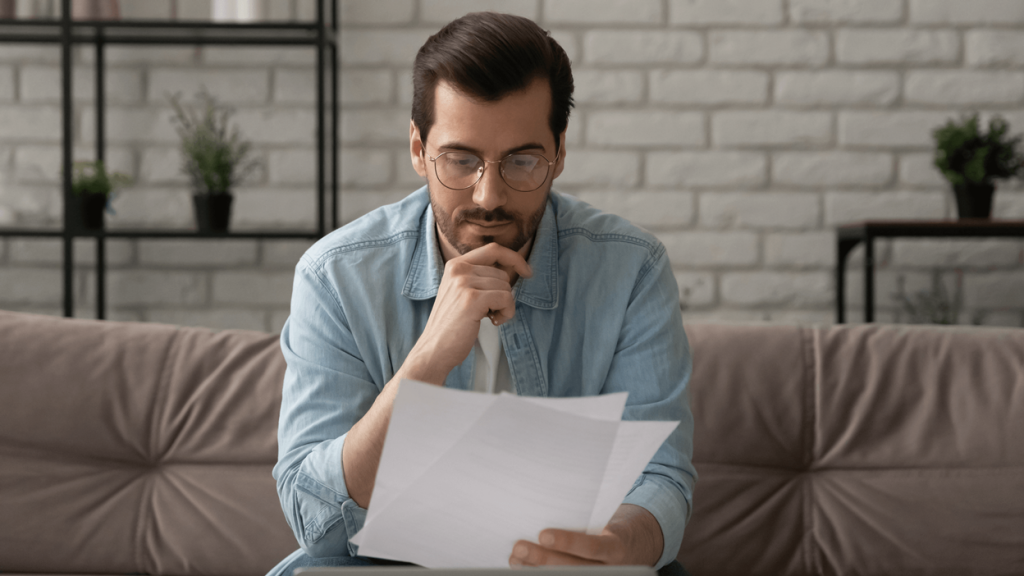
480,174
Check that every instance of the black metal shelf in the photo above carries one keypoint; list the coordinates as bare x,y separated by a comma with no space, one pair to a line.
65,32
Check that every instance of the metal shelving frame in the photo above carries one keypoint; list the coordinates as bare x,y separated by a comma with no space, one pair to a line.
66,32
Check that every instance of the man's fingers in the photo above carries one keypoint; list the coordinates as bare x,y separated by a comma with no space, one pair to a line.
494,253
529,554
600,548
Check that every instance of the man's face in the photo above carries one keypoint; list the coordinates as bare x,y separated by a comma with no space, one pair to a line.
490,210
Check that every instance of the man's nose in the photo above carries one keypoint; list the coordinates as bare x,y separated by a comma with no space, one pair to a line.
490,192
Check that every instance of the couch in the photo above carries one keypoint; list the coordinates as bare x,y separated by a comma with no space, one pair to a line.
130,448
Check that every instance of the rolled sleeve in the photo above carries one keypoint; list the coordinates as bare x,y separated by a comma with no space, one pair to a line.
326,389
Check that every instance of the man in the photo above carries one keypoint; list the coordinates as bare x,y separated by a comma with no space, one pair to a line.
486,280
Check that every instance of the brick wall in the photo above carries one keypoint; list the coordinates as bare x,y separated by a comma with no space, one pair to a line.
740,132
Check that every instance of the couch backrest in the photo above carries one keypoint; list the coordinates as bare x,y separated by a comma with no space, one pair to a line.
138,448
145,448
857,450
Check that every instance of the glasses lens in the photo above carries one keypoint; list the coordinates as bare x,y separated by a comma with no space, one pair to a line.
457,169
524,172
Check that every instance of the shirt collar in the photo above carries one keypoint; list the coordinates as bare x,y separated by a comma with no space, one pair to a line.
540,291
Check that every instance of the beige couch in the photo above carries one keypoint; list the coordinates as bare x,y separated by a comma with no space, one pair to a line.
143,448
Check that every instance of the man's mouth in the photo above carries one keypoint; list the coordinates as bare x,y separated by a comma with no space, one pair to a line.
489,224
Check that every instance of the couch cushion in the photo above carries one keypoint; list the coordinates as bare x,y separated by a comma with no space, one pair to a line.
138,448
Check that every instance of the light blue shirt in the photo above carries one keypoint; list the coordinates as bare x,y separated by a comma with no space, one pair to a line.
599,315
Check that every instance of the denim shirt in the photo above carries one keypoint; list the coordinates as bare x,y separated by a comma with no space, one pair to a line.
599,315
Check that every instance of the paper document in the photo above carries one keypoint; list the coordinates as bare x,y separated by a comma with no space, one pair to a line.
464,475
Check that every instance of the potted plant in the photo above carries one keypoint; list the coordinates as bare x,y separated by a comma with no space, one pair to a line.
214,156
972,160
92,189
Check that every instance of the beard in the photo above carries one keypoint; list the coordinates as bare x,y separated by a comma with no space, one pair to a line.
448,224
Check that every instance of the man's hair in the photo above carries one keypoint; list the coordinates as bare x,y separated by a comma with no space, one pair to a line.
488,56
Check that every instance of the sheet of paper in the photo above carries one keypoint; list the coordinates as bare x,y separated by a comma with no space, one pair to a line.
501,469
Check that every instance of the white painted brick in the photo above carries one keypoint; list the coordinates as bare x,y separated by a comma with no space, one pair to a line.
896,46
1004,319
42,84
305,10
1003,289
357,203
963,87
153,207
375,126
150,287
600,168
158,55
252,287
920,170
768,47
145,10
363,12
695,289
569,43
1008,205
777,288
405,174
216,319
801,317
994,47
228,86
203,9
607,86
283,253
726,316
813,169
35,286
648,46
706,169
444,11
361,167
42,163
277,320
603,12
1000,12
162,165
279,125
296,166
255,57
715,249
23,123
848,207
890,129
703,12
646,128
800,249
404,87
297,86
117,252
383,46
962,253
196,253
6,83
31,53
757,128
650,209
32,204
363,87
835,87
845,11
759,210
131,125
274,208
717,87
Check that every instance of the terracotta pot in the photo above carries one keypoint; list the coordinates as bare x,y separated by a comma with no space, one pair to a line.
213,211
974,200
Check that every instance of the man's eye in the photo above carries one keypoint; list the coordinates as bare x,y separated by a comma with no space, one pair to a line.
461,160
523,162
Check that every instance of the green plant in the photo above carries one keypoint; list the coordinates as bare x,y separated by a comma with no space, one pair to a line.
215,157
965,155
93,178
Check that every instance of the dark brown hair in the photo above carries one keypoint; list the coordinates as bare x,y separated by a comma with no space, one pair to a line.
488,56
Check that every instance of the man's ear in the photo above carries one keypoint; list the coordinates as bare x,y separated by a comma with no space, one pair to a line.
560,160
416,150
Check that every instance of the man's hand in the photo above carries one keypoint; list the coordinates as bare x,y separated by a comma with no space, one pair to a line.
632,537
474,285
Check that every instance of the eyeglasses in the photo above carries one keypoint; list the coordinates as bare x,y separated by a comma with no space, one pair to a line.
461,170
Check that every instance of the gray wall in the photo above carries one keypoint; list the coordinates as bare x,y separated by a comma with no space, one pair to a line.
740,132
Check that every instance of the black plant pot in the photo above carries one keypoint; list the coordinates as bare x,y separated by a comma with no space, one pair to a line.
87,210
213,211
974,200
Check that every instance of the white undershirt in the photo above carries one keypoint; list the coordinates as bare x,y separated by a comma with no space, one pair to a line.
491,373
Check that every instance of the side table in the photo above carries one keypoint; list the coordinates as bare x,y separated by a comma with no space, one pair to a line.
849,235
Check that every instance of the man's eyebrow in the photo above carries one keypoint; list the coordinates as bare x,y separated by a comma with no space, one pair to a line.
463,148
